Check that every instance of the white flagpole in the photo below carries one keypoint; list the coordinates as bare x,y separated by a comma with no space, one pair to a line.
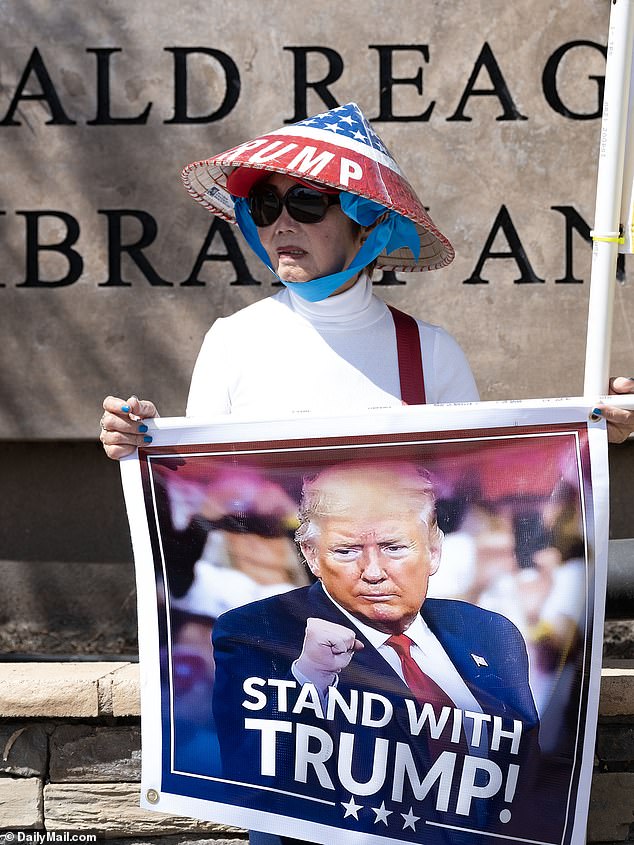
608,231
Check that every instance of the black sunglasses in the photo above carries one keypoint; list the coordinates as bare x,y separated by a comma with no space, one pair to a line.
306,205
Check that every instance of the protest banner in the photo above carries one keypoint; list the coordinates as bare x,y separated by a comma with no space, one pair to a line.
310,716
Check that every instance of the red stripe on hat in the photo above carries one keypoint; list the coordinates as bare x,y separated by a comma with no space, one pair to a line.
242,179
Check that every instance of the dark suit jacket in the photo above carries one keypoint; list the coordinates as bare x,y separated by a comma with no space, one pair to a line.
262,639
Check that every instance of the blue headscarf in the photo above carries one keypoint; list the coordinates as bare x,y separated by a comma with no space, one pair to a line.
391,233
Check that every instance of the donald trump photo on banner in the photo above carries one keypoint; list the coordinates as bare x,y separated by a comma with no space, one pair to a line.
402,715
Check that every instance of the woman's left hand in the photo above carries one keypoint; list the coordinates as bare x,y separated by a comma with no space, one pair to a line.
620,422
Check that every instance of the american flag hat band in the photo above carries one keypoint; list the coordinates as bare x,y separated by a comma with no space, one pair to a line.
338,149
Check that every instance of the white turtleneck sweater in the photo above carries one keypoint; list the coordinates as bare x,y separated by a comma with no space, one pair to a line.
284,356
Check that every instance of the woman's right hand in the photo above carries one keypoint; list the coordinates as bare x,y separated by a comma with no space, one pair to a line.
122,427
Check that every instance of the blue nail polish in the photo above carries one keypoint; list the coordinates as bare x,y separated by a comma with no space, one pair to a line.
142,428
125,409
147,439
597,412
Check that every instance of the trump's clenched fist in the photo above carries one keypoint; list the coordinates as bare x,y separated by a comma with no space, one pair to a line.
327,649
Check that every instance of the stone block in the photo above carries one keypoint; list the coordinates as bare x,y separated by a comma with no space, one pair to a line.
615,743
113,810
126,697
86,753
21,803
175,839
611,807
23,750
52,689
617,692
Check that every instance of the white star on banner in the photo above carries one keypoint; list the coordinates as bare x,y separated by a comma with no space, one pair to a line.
351,808
410,819
334,127
381,813
347,119
359,136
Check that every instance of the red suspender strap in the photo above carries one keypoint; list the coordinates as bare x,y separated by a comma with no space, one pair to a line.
410,361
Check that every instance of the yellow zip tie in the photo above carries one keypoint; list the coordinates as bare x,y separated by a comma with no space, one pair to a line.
610,238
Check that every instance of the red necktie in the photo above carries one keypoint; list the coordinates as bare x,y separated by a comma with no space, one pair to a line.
422,686
425,689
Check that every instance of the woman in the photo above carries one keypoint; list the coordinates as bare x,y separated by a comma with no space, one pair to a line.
325,344
320,203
